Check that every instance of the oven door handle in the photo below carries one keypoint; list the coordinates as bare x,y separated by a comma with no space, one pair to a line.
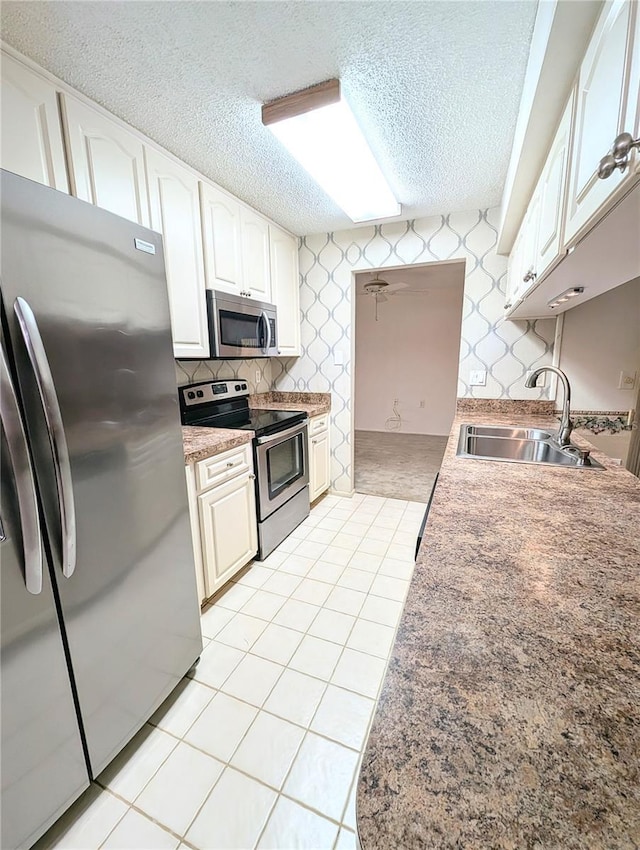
281,435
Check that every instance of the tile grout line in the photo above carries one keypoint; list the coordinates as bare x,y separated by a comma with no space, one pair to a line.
306,730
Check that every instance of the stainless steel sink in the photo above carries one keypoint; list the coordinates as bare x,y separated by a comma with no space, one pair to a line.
513,433
520,445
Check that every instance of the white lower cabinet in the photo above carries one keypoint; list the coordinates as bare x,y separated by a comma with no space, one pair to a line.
319,456
223,517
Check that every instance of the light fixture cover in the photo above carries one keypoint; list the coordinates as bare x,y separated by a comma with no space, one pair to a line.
328,142
565,296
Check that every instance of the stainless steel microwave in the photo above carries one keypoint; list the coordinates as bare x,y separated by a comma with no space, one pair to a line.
241,327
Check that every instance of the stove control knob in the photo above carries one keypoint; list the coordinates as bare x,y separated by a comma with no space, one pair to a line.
244,386
238,387
200,394
191,394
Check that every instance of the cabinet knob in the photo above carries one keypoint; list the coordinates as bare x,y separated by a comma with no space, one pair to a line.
252,477
530,275
618,156
229,464
507,306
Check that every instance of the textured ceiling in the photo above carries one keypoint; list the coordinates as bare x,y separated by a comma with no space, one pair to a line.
435,85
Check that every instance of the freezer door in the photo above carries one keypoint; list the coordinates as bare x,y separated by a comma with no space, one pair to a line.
42,762
86,299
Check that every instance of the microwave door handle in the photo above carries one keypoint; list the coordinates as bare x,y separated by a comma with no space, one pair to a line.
55,428
267,332
267,324
24,481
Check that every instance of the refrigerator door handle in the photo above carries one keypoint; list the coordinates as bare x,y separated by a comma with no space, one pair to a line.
55,428
24,481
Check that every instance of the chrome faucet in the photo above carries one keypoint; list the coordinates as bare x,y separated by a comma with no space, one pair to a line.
566,425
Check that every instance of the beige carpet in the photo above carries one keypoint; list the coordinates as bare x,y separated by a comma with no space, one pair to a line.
398,466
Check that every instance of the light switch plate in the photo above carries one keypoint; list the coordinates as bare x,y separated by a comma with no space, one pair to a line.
338,358
478,377
627,380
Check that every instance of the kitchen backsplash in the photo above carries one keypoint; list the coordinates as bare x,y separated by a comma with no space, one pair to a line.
328,261
256,373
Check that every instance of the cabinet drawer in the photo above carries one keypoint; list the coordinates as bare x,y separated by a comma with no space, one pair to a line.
223,467
318,424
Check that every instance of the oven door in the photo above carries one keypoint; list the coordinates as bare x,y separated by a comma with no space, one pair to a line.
282,468
240,327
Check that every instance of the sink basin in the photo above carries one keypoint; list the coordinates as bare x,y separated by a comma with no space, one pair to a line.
502,431
517,445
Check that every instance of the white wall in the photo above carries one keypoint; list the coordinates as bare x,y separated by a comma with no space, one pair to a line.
601,338
410,353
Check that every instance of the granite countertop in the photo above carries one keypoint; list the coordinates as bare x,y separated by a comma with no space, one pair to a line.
313,404
201,443
510,712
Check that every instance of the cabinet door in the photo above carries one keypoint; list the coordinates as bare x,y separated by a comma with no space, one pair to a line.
285,290
221,237
175,212
318,465
106,162
228,528
553,181
522,272
607,104
31,135
514,271
256,269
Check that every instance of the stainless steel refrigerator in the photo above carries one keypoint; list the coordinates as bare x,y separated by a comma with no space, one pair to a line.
100,616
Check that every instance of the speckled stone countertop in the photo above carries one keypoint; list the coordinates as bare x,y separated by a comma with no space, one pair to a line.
314,404
201,443
510,713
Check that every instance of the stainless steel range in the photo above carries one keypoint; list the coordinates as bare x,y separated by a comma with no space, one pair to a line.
279,452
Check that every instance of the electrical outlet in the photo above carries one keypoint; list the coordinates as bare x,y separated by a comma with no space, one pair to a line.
338,358
257,377
627,380
421,402
478,377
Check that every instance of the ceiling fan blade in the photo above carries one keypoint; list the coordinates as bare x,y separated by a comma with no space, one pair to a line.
394,287
382,299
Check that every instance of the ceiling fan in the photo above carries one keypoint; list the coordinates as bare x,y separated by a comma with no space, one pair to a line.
379,289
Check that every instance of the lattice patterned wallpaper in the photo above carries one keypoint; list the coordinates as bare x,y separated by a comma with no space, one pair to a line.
507,350
257,373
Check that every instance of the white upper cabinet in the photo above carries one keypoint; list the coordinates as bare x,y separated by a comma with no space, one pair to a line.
522,272
256,261
607,105
552,193
285,290
106,162
236,246
175,213
31,136
222,239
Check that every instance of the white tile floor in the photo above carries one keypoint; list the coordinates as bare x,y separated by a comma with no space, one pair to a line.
260,748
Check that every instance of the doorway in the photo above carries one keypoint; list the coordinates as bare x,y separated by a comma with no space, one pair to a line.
407,346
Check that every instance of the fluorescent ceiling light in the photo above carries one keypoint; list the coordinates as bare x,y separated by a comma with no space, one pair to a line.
565,296
319,129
